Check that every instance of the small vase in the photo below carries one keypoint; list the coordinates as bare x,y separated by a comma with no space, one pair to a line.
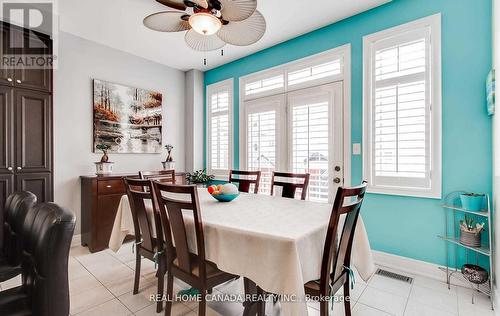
103,168
168,165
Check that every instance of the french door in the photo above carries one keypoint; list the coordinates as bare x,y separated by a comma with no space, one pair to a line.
299,131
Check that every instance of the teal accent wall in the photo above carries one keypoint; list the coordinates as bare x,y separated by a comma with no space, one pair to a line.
407,226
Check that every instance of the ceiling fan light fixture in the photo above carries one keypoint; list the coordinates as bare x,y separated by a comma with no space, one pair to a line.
205,23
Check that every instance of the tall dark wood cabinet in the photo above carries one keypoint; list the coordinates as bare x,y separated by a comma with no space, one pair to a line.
26,126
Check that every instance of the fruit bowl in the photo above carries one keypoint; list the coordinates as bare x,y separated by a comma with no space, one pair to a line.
224,193
225,197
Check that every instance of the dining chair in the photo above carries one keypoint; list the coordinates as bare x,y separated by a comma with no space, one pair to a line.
347,202
17,206
289,188
244,183
44,291
176,201
164,176
149,242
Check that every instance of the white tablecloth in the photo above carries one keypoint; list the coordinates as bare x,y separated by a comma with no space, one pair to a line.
275,242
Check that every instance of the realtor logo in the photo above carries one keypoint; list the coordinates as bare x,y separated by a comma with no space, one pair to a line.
29,41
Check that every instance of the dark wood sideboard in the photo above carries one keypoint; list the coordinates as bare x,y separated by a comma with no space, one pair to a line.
100,198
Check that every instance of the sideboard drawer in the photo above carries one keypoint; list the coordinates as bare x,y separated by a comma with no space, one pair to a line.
114,186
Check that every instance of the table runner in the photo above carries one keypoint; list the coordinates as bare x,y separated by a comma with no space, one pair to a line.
276,242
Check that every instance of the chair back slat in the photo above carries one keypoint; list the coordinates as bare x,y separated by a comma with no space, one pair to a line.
140,194
163,176
245,183
347,202
174,207
290,188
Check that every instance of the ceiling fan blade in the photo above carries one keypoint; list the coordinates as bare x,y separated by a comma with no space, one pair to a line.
167,21
244,32
203,43
175,4
237,10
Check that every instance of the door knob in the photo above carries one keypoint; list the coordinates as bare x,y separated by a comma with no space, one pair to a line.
9,168
9,79
19,168
336,180
18,81
337,168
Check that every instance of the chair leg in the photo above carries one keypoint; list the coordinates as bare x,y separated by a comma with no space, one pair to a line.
161,281
347,298
137,271
170,294
323,308
202,306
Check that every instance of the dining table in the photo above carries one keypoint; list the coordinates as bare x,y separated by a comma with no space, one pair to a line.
275,242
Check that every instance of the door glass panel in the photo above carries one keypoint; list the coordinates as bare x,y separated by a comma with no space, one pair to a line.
310,143
261,142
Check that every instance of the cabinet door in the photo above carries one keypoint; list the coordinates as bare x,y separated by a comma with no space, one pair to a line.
33,77
104,219
33,131
7,40
6,130
40,184
6,188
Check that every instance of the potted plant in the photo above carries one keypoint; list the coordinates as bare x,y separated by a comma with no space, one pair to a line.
169,163
200,178
472,201
104,166
470,232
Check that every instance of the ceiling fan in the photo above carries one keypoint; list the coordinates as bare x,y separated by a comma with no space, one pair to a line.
210,24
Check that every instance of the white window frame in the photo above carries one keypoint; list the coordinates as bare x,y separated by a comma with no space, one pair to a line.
431,25
211,89
344,53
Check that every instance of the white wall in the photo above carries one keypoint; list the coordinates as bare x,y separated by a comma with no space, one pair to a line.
79,62
496,146
195,104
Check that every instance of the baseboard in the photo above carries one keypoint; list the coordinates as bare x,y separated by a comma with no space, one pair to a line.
76,240
413,266
496,300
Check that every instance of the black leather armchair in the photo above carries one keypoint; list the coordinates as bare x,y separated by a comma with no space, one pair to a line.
47,233
16,207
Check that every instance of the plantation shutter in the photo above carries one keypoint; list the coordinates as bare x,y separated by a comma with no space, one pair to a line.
219,137
400,127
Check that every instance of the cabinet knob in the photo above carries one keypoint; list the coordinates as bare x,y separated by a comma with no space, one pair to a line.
9,79
9,168
336,180
108,186
18,81
19,168
337,168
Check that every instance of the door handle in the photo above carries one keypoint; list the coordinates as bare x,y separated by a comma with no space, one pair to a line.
336,180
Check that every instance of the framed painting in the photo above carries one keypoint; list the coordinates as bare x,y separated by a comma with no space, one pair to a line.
127,119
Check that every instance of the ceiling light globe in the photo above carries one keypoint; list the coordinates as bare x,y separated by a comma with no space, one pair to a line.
205,23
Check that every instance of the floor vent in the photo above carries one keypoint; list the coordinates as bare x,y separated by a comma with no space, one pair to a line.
395,276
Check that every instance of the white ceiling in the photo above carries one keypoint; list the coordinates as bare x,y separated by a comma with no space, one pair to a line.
118,24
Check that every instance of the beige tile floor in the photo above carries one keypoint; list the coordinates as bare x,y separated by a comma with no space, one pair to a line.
101,285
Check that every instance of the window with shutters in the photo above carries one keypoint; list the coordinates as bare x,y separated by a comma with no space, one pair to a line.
402,135
219,127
